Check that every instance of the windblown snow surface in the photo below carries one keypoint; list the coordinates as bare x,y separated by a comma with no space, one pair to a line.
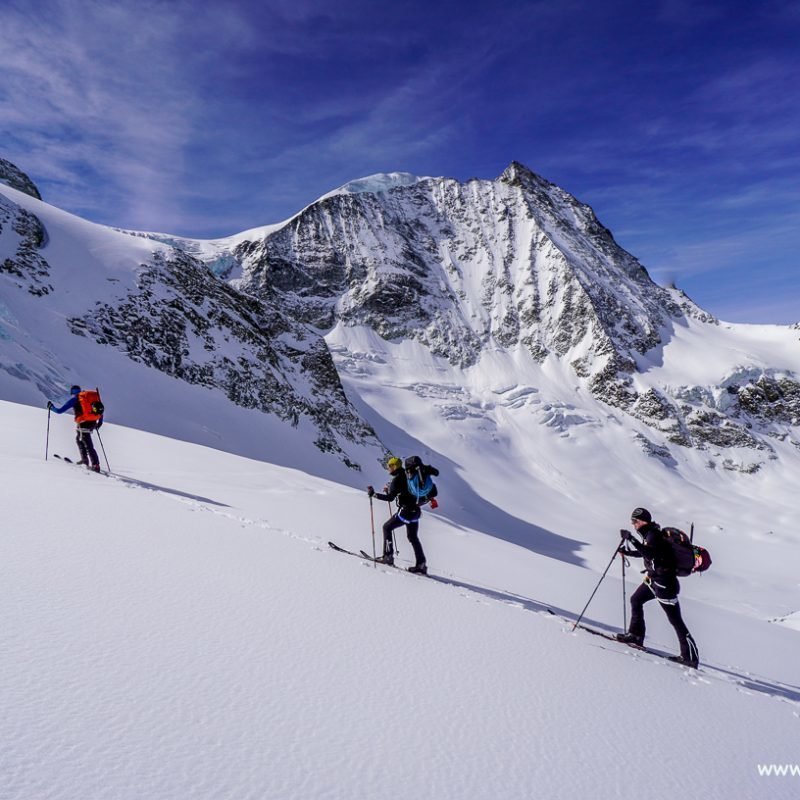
182,630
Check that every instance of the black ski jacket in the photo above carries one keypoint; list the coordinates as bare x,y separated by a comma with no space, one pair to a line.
398,490
659,560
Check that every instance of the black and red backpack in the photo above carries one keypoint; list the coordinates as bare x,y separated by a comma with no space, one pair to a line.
689,557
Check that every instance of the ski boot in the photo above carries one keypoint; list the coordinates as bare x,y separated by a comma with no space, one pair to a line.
686,662
630,638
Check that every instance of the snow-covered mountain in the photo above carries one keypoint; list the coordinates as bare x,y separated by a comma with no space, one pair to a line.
487,325
512,264
180,629
82,303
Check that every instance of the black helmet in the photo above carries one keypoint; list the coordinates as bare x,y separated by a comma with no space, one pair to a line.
641,513
412,463
75,389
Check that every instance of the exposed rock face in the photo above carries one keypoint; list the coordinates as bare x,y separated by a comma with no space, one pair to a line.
516,260
771,398
511,262
514,263
187,323
23,235
17,179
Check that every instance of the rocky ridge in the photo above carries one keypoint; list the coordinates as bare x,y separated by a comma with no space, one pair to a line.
175,316
514,262
14,177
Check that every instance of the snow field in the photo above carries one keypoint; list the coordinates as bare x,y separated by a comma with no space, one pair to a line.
201,640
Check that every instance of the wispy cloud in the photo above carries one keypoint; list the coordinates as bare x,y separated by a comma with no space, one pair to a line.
95,87
169,111
677,120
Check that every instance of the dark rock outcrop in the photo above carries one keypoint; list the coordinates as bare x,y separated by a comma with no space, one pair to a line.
14,177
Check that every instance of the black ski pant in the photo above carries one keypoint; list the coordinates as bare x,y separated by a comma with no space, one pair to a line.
85,445
665,590
412,529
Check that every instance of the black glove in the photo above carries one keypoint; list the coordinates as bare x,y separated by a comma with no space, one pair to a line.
99,424
370,491
626,534
50,405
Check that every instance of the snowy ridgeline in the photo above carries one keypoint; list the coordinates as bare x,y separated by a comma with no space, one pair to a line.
513,265
181,630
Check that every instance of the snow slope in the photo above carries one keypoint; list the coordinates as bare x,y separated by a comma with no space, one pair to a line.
536,460
182,630
91,267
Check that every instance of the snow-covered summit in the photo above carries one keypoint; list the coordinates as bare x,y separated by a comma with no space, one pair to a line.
376,184
514,265
519,264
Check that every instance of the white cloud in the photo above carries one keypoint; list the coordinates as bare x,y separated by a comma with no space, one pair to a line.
98,87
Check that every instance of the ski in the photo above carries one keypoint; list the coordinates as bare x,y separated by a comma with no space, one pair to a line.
641,647
338,549
367,557
360,554
68,460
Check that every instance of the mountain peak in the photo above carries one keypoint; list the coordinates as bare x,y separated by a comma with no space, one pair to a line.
517,172
376,184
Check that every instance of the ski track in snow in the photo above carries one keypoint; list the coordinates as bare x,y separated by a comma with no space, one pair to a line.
743,681
183,644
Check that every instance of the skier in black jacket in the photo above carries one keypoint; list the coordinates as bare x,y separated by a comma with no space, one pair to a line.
408,514
660,582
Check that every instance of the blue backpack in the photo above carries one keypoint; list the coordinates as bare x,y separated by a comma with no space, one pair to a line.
420,483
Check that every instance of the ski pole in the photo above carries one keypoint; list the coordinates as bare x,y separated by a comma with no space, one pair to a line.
103,449
624,596
47,442
394,538
616,550
372,522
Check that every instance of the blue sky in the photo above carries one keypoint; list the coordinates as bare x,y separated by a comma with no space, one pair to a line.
679,122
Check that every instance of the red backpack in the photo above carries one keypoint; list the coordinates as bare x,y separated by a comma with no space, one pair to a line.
90,406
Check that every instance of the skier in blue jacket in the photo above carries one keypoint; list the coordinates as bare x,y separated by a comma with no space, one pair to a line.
84,427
